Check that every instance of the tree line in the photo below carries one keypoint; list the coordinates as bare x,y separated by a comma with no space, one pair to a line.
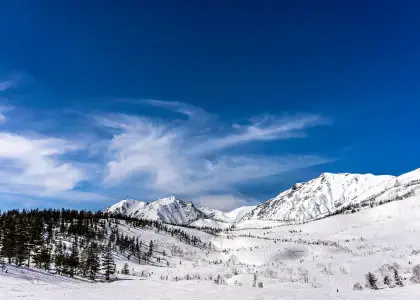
81,243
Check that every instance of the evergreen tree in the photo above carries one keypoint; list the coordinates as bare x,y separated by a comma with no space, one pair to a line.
371,281
38,245
150,253
43,258
8,249
73,259
92,262
21,242
397,278
84,262
59,258
108,264
386,280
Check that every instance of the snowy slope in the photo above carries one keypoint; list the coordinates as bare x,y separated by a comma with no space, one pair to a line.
229,217
169,210
126,207
318,260
329,193
221,220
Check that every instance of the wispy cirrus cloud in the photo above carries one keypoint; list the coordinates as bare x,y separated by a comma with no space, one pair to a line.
191,111
10,82
36,166
182,157
3,110
4,86
263,129
7,84
86,156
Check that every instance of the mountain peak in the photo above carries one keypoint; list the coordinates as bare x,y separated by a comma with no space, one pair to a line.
322,196
330,193
169,210
168,200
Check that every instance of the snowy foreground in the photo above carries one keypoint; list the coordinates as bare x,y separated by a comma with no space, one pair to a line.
28,288
308,261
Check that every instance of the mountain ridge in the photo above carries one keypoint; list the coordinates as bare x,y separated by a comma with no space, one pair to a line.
168,210
323,196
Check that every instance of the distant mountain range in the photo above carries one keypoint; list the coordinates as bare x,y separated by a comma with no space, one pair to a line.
320,197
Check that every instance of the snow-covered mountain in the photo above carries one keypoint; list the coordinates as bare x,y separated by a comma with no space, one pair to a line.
323,196
331,193
169,210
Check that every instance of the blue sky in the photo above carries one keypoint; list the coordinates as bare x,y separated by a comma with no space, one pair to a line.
223,103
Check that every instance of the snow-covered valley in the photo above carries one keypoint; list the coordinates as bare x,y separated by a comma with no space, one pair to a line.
264,258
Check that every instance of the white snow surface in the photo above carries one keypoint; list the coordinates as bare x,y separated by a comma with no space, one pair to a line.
301,261
232,216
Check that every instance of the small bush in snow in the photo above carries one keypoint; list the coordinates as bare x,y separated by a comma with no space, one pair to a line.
416,274
237,283
357,286
125,270
415,252
220,280
260,285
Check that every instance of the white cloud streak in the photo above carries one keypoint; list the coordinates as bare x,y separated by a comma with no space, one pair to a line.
197,157
3,110
35,166
5,85
263,129
178,158
193,112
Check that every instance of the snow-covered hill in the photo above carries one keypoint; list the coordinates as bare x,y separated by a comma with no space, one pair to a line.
323,196
331,193
323,259
169,210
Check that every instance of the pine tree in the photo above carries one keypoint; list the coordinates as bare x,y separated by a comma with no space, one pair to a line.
21,242
108,264
387,281
38,243
371,281
73,259
92,262
59,258
8,249
84,262
43,257
150,252
397,278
